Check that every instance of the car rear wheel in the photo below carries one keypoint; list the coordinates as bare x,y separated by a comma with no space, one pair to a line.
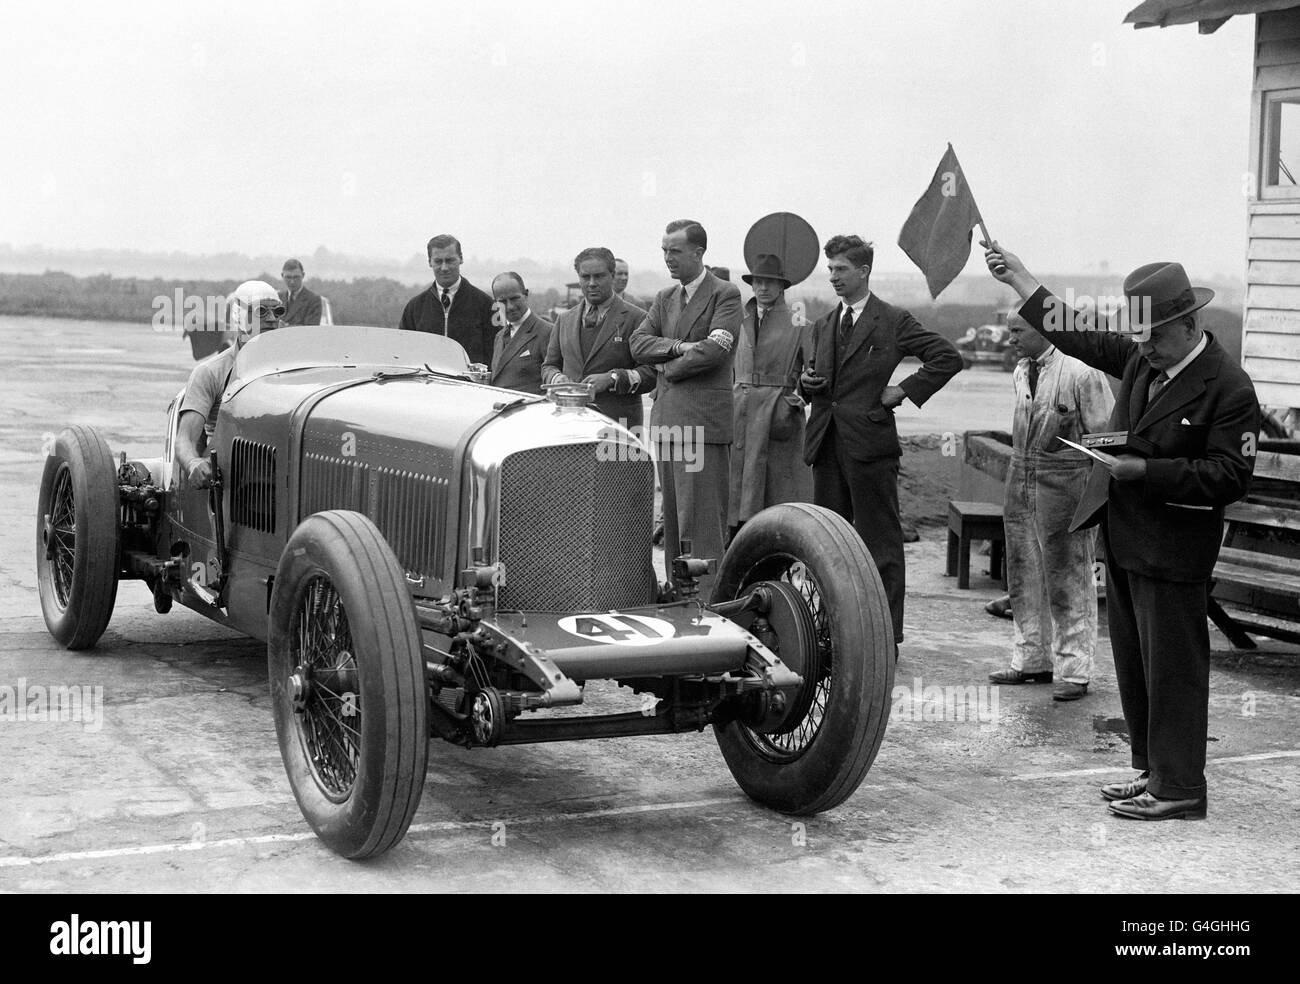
347,684
817,760
77,537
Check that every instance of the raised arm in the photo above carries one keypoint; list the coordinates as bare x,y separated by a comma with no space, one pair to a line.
1069,330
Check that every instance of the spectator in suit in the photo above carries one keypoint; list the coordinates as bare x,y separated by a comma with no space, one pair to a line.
852,441
1161,514
452,306
302,306
621,273
688,336
520,346
590,343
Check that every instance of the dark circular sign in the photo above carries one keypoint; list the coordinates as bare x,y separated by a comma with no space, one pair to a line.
788,236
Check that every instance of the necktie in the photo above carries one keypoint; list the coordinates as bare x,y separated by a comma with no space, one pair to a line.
446,300
1034,370
587,336
685,299
846,325
1157,386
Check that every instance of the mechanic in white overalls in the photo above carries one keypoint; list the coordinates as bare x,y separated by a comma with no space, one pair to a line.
1049,569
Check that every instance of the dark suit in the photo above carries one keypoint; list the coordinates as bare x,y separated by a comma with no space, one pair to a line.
693,401
1163,534
609,351
304,309
469,321
852,440
517,363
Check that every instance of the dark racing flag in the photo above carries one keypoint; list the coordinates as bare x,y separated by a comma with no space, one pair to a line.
936,236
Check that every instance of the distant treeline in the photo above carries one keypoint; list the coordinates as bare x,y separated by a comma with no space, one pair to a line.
366,301
379,301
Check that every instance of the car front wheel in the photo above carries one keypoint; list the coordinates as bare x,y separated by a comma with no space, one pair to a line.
347,684
830,617
77,537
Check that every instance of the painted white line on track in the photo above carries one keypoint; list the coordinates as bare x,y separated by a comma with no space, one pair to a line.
1258,757
442,826
446,826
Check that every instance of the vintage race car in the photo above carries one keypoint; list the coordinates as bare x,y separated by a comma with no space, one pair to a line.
429,557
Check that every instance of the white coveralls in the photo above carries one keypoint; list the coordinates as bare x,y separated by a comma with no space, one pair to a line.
1049,569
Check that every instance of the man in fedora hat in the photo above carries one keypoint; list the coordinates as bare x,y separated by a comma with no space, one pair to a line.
767,465
1192,418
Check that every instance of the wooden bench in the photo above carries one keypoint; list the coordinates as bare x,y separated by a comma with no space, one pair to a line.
968,521
1255,586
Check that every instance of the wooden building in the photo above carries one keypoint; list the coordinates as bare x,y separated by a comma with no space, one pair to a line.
1270,348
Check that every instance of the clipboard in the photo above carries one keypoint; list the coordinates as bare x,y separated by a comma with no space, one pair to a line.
1088,451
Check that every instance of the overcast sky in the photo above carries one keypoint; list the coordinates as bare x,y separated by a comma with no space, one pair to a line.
535,129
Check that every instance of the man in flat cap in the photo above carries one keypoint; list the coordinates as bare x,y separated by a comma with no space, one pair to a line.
767,465
1191,421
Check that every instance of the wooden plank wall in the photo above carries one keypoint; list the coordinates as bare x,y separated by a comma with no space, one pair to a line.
1271,333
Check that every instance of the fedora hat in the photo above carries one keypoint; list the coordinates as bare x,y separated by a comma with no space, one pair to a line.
1159,293
767,265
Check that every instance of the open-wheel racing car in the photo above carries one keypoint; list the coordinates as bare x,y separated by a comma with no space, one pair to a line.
426,556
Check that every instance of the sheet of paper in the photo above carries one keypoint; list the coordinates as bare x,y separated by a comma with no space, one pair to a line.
1088,451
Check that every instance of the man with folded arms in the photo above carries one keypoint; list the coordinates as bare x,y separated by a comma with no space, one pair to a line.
1192,413
688,337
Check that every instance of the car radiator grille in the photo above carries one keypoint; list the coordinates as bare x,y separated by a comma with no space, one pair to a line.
575,531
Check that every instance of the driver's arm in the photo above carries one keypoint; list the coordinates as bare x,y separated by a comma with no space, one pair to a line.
196,467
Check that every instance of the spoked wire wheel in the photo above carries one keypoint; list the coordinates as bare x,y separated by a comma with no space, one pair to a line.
842,644
348,686
61,547
77,538
327,707
795,738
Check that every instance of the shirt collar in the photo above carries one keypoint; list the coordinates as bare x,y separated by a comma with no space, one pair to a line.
694,285
857,307
515,325
601,309
451,291
1045,359
1187,359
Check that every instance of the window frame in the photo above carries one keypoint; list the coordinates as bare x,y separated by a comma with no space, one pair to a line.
1270,126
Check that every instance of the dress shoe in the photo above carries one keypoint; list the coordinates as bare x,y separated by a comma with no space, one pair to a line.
1065,690
1146,807
1012,677
1125,790
1001,607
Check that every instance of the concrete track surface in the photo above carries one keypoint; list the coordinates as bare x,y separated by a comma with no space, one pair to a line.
178,786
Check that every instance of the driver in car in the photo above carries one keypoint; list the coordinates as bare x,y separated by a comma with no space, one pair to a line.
253,307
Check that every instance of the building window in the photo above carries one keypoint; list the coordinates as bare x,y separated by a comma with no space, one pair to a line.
1281,157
